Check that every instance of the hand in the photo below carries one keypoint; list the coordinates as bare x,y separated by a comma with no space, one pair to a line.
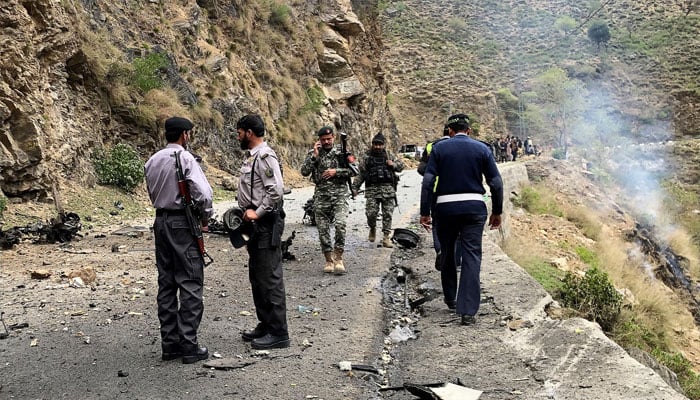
426,222
494,221
355,192
389,163
250,215
329,173
205,228
317,147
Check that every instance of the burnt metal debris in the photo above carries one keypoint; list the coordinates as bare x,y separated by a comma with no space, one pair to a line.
309,217
62,229
217,227
286,244
3,335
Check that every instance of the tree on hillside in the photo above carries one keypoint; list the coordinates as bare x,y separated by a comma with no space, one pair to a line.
509,104
560,101
599,33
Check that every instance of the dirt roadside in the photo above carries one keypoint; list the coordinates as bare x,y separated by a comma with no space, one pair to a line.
79,339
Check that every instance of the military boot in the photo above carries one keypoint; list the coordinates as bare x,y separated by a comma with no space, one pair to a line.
386,242
339,267
328,268
372,234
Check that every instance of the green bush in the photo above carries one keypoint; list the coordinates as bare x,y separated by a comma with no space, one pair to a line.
120,167
532,200
147,74
599,33
565,24
279,15
594,296
314,99
559,153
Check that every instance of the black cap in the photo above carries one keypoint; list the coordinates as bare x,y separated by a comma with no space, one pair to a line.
178,124
324,131
378,138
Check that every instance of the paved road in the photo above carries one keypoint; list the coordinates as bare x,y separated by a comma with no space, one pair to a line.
332,319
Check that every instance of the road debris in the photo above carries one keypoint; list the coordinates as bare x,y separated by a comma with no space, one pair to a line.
349,366
61,229
5,334
227,364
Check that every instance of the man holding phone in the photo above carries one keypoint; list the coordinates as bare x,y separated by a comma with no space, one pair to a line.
323,164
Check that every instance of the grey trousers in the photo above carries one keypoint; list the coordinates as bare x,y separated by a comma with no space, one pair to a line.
180,269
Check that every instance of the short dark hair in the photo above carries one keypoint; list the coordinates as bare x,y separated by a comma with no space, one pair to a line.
458,122
252,122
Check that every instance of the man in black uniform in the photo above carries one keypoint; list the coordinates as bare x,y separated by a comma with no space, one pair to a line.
180,264
461,163
260,191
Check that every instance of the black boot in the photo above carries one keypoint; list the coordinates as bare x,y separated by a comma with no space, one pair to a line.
171,352
270,341
251,334
200,353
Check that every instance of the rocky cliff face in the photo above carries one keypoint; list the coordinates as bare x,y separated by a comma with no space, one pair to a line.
80,75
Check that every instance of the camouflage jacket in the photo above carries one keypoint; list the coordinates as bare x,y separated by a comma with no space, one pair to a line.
314,167
375,190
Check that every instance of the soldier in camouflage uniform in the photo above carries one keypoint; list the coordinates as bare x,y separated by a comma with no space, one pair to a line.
324,163
377,171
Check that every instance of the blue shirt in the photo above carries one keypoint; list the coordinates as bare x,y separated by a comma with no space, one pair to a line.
462,163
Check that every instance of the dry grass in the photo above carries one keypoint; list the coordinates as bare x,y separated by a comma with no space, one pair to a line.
165,103
584,219
655,317
655,306
682,244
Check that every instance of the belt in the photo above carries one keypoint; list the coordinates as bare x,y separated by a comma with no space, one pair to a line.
161,212
447,198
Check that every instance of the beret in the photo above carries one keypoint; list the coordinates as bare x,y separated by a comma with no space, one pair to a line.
325,131
178,124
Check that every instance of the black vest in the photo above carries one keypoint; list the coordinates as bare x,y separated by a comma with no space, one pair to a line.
377,170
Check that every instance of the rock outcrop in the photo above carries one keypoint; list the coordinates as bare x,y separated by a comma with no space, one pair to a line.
82,75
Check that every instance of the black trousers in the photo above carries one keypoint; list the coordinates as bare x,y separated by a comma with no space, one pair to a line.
266,277
180,269
465,231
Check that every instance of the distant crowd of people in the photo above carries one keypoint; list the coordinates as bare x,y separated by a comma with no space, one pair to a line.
511,147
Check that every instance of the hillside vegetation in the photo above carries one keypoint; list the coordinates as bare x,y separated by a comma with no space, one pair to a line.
605,83
610,85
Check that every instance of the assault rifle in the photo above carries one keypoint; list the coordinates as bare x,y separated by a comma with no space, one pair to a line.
192,220
347,160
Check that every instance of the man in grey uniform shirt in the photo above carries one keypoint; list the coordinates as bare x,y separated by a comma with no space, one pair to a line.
180,264
260,191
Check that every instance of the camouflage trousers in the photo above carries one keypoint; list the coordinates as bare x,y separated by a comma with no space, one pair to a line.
372,211
331,210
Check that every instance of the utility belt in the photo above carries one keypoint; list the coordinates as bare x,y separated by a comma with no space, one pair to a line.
448,198
162,212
